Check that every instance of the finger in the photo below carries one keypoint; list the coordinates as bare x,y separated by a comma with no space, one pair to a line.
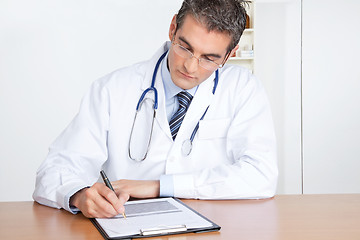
111,198
97,205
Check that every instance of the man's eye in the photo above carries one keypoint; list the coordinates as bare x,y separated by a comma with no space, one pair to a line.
209,59
182,47
188,49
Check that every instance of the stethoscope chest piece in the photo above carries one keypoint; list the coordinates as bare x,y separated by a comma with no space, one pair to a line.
186,147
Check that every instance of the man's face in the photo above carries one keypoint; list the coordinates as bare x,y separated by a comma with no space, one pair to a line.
186,73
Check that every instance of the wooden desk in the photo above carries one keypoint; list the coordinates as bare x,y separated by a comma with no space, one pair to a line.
287,217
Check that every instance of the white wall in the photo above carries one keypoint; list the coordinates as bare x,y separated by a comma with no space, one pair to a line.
50,52
278,66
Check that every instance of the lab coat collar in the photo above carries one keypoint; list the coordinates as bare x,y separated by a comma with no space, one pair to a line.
151,66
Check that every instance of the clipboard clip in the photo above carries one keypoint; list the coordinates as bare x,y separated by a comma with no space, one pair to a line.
163,230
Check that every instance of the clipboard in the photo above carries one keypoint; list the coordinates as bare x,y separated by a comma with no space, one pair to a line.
154,217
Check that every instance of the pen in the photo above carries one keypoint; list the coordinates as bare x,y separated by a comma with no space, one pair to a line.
108,184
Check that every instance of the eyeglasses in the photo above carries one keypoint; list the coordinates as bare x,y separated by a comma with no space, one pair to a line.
205,63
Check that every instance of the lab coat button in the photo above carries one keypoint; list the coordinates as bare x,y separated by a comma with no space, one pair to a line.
172,159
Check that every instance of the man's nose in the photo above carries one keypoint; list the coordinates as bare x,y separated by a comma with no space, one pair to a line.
191,64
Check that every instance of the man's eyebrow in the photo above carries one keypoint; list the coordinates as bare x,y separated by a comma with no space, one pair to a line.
215,55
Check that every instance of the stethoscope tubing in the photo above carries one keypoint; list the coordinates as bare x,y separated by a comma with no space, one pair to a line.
155,106
152,87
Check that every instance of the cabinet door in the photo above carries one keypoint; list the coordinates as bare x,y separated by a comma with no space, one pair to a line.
331,96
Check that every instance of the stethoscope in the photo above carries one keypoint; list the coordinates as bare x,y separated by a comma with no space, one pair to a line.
187,144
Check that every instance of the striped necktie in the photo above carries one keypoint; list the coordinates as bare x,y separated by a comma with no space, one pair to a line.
184,99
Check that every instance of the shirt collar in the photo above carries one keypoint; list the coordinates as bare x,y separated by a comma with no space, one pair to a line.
171,90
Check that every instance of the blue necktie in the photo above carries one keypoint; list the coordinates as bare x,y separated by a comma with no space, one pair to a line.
184,99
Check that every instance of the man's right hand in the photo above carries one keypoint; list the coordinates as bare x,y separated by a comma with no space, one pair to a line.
99,201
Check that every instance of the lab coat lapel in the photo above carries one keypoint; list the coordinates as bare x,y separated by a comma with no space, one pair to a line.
151,66
161,117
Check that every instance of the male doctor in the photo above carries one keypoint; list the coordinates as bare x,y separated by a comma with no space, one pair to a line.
212,135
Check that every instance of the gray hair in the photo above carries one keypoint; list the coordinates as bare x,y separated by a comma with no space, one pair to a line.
227,16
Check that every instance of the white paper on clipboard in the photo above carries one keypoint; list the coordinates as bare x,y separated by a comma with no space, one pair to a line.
161,214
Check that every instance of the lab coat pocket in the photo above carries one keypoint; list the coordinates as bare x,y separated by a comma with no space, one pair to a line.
217,128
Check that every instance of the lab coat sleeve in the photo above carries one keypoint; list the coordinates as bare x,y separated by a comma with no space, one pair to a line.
249,170
76,156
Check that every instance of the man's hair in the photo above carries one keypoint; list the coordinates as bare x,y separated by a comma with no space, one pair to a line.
227,16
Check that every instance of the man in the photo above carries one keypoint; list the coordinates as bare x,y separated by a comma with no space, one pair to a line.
230,156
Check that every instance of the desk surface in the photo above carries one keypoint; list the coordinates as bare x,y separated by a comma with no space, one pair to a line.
283,217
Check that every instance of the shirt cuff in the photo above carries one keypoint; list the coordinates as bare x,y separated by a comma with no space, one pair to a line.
65,192
166,186
73,209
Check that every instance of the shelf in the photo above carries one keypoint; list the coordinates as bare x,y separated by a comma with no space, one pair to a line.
246,43
241,58
248,30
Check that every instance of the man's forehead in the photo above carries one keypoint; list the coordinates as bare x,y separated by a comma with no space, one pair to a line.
197,35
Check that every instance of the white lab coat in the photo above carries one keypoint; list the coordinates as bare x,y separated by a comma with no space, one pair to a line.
233,155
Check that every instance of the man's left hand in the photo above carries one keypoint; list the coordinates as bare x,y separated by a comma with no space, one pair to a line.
137,188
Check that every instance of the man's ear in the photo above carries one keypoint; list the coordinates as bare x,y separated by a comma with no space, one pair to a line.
172,28
233,52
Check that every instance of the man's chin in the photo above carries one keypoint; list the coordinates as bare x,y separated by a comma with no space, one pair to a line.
184,83
185,86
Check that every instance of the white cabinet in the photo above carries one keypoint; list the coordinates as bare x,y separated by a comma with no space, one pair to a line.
310,70
331,86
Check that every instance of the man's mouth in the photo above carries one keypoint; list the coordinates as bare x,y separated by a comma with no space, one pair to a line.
186,75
